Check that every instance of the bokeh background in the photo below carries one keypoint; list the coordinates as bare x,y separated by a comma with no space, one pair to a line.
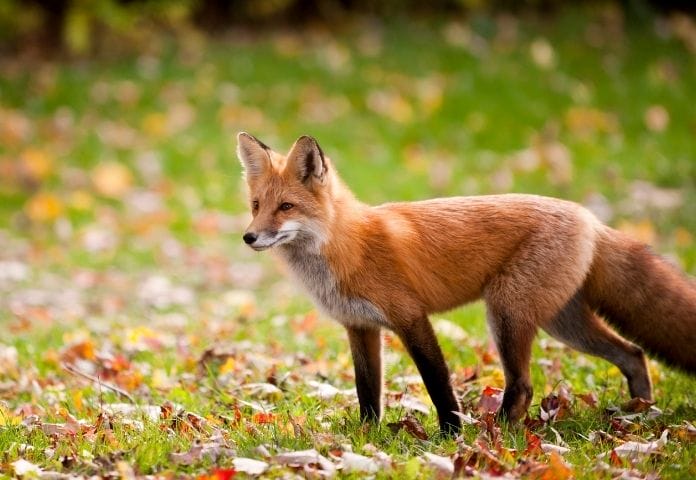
122,206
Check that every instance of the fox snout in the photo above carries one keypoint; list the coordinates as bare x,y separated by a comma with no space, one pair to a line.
249,238
264,239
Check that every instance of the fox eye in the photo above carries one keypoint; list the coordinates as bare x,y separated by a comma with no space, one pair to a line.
255,205
286,206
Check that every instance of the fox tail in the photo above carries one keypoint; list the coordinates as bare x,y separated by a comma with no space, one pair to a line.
645,298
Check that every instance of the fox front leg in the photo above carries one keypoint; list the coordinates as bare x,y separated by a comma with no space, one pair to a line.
421,343
366,349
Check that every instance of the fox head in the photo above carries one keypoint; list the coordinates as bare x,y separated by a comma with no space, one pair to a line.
289,195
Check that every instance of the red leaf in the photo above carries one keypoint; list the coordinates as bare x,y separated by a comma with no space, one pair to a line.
491,399
219,474
533,444
615,459
262,418
223,473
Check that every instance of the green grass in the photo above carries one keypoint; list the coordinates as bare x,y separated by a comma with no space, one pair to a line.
388,120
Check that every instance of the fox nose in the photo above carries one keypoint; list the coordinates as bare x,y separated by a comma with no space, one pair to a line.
249,238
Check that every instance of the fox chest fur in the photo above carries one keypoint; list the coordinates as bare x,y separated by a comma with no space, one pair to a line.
314,272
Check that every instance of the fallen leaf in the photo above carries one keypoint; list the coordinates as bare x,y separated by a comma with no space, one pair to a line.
250,466
264,391
685,432
636,449
263,418
637,405
558,469
411,403
444,465
589,398
412,426
533,444
310,460
326,391
208,451
491,399
219,474
550,447
353,462
24,468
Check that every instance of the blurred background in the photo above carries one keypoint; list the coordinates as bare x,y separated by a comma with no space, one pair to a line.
122,206
118,121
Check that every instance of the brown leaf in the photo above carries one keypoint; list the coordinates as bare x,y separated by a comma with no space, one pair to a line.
589,398
637,405
310,461
208,451
443,465
411,425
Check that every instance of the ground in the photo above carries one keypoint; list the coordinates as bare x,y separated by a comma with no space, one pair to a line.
139,336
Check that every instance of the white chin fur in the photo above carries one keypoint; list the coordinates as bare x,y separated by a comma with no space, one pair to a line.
287,233
280,238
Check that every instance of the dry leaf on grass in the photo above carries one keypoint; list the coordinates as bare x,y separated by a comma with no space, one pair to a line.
353,462
249,466
411,425
445,465
310,461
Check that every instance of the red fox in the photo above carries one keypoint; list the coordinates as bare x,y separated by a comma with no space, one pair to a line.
537,262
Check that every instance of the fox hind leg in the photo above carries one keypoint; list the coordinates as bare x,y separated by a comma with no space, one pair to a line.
513,339
577,326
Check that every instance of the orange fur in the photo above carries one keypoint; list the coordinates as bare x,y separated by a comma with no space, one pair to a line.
536,261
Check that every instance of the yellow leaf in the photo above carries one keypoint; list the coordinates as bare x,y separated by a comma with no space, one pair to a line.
112,179
44,207
228,366
36,163
77,401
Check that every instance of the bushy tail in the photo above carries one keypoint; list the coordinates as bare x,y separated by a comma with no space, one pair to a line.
647,299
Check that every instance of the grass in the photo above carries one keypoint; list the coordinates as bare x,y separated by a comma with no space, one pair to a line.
407,110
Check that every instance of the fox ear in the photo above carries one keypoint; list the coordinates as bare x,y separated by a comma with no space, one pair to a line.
253,154
307,160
